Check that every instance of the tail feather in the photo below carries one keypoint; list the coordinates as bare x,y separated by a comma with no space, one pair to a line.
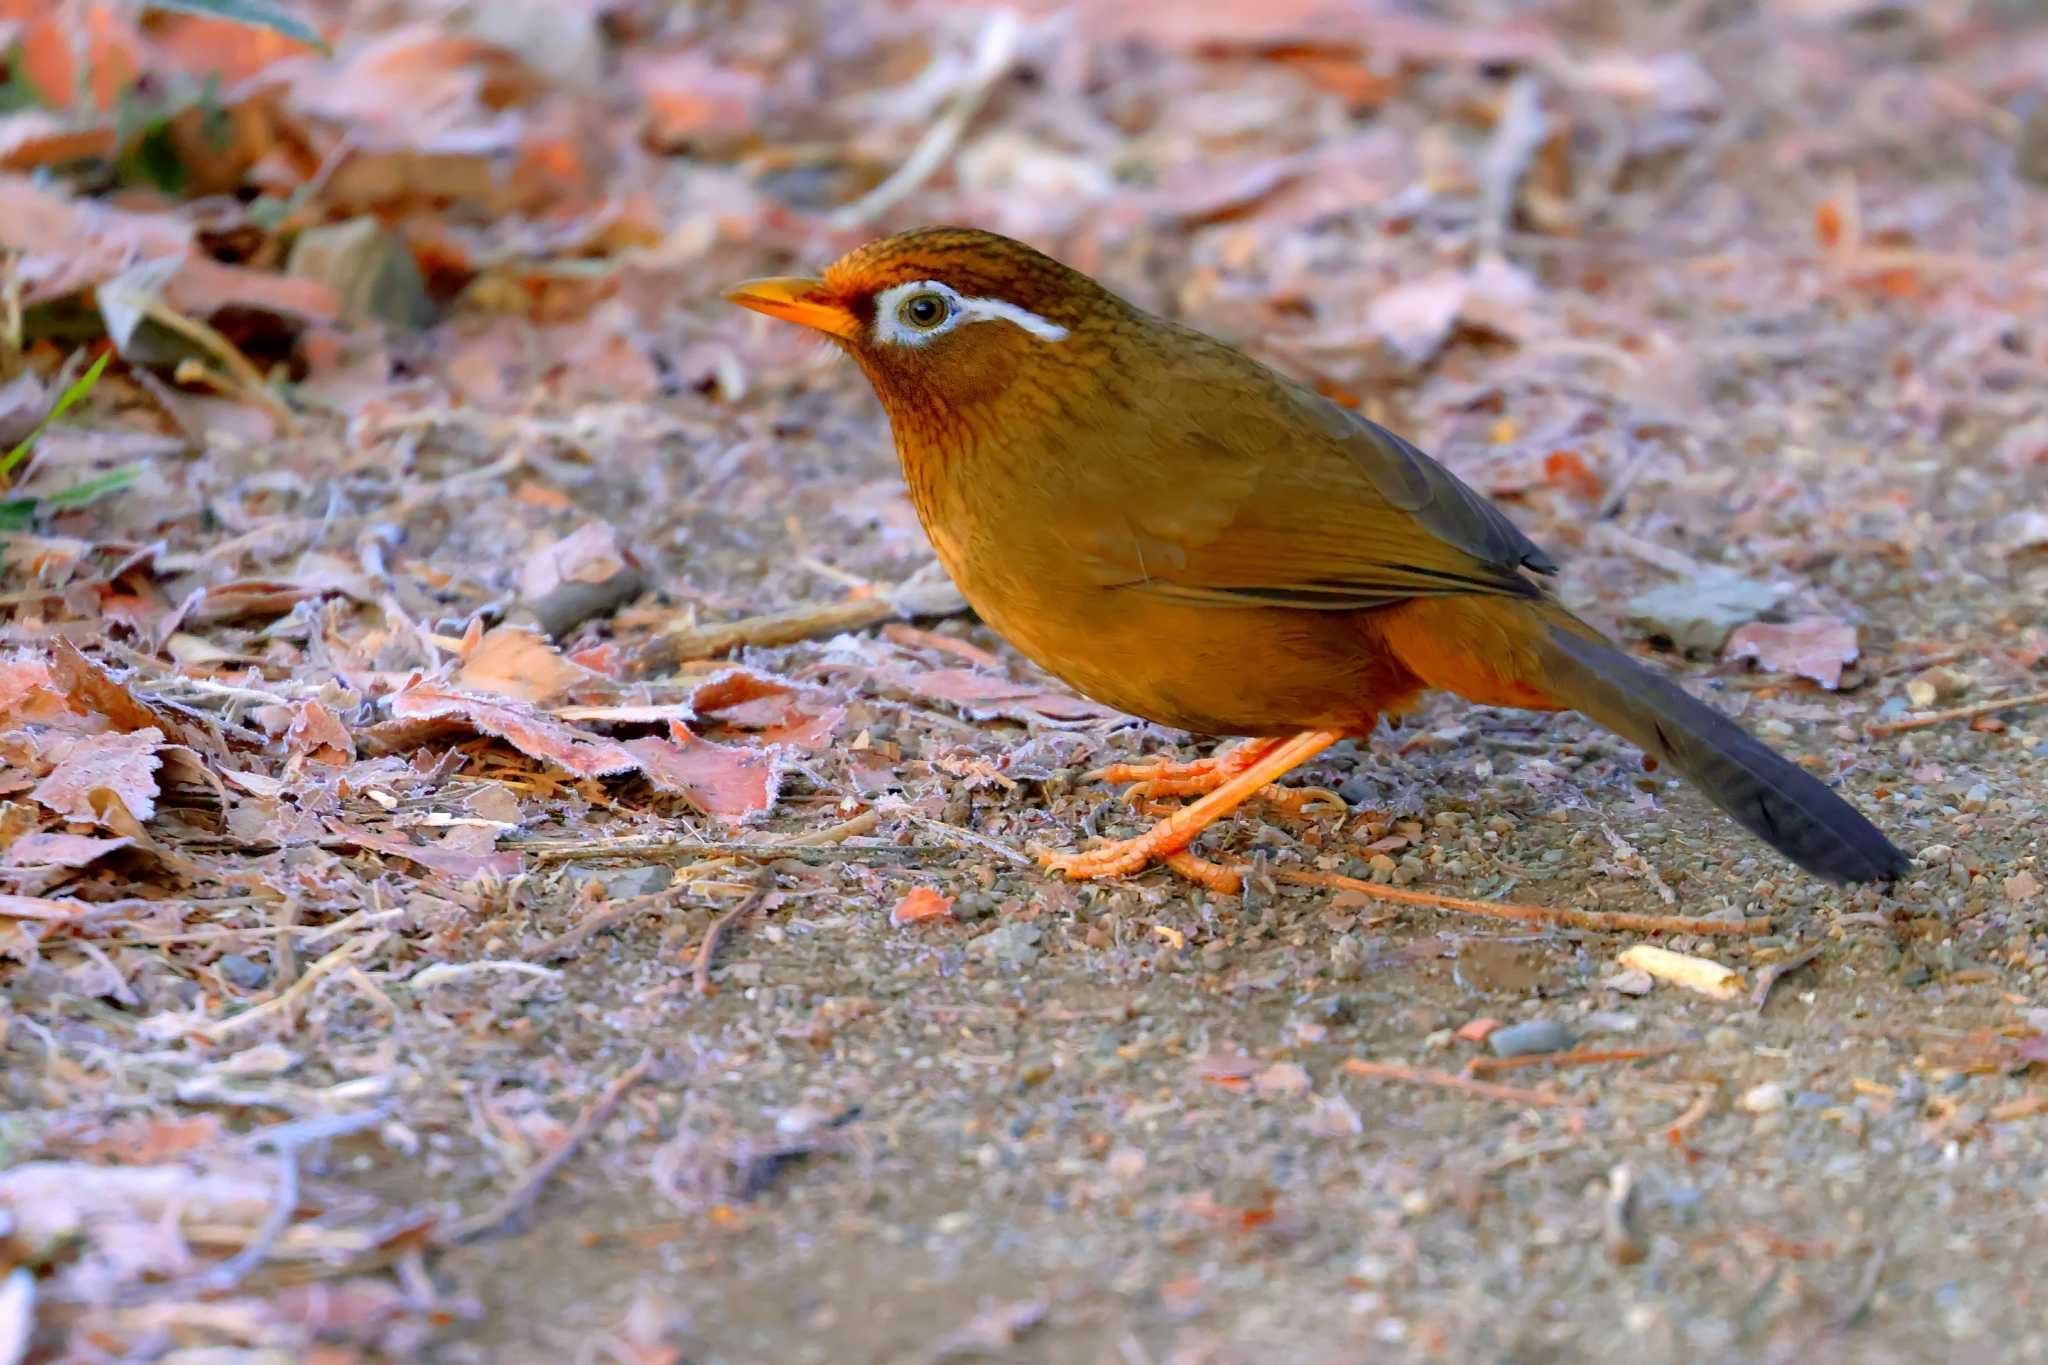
1782,804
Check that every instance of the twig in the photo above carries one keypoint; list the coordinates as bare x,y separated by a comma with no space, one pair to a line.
1982,708
993,51
1606,920
1449,1080
701,973
284,1000
440,973
693,850
1487,1066
1694,1112
597,921
1777,971
970,839
928,592
522,1194
230,1272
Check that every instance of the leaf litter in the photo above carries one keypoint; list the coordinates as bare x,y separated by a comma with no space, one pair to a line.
481,737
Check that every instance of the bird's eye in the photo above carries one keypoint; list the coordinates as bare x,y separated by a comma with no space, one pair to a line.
924,311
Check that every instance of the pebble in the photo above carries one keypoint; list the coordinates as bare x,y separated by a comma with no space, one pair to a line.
1762,1099
1522,1040
1722,1038
1631,981
623,883
242,972
1013,944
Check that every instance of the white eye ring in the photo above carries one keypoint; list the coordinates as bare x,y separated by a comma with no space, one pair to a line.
923,312
895,326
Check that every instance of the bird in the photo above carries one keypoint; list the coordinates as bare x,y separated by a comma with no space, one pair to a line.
1183,534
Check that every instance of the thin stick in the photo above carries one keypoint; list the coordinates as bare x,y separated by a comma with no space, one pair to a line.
694,850
290,996
1487,1066
1777,971
708,950
1393,1071
1694,1112
1982,708
993,51
1607,920
522,1195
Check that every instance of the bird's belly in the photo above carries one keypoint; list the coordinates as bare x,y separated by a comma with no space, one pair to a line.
1211,670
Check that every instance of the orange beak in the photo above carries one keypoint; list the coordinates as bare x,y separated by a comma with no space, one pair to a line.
796,299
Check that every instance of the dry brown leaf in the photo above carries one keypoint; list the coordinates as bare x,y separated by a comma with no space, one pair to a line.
1816,647
722,780
984,696
536,735
511,661
57,849
124,764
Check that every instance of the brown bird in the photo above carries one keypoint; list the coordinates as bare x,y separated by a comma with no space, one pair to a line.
1181,533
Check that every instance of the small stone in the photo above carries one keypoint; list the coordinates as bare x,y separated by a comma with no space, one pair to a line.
1012,944
1347,959
1283,1078
1612,1021
1382,867
243,973
1723,1038
1762,1099
1632,981
1976,798
1523,1040
1921,694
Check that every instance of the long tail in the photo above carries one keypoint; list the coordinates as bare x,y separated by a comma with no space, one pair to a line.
1545,650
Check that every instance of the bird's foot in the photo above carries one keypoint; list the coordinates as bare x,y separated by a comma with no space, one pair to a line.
1168,840
1169,777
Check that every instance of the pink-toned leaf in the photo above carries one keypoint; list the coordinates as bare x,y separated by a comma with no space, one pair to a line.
984,696
1816,647
124,764
723,780
536,735
58,911
57,849
454,856
511,661
319,734
29,696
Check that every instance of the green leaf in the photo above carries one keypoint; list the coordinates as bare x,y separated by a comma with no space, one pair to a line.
80,387
252,13
18,514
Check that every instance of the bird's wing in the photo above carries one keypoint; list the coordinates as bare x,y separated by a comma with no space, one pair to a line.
1248,490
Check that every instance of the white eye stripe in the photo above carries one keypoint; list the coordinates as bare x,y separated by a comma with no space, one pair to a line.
891,328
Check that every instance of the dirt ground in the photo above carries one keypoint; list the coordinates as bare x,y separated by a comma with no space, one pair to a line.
383,978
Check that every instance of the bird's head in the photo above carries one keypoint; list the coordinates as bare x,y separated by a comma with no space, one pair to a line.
943,316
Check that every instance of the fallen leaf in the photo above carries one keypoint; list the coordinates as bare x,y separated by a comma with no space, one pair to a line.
985,697
511,661
124,764
318,733
724,780
920,904
1416,318
2022,887
530,732
1815,647
56,849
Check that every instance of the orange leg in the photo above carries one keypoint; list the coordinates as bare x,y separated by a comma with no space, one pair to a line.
1165,777
1174,833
